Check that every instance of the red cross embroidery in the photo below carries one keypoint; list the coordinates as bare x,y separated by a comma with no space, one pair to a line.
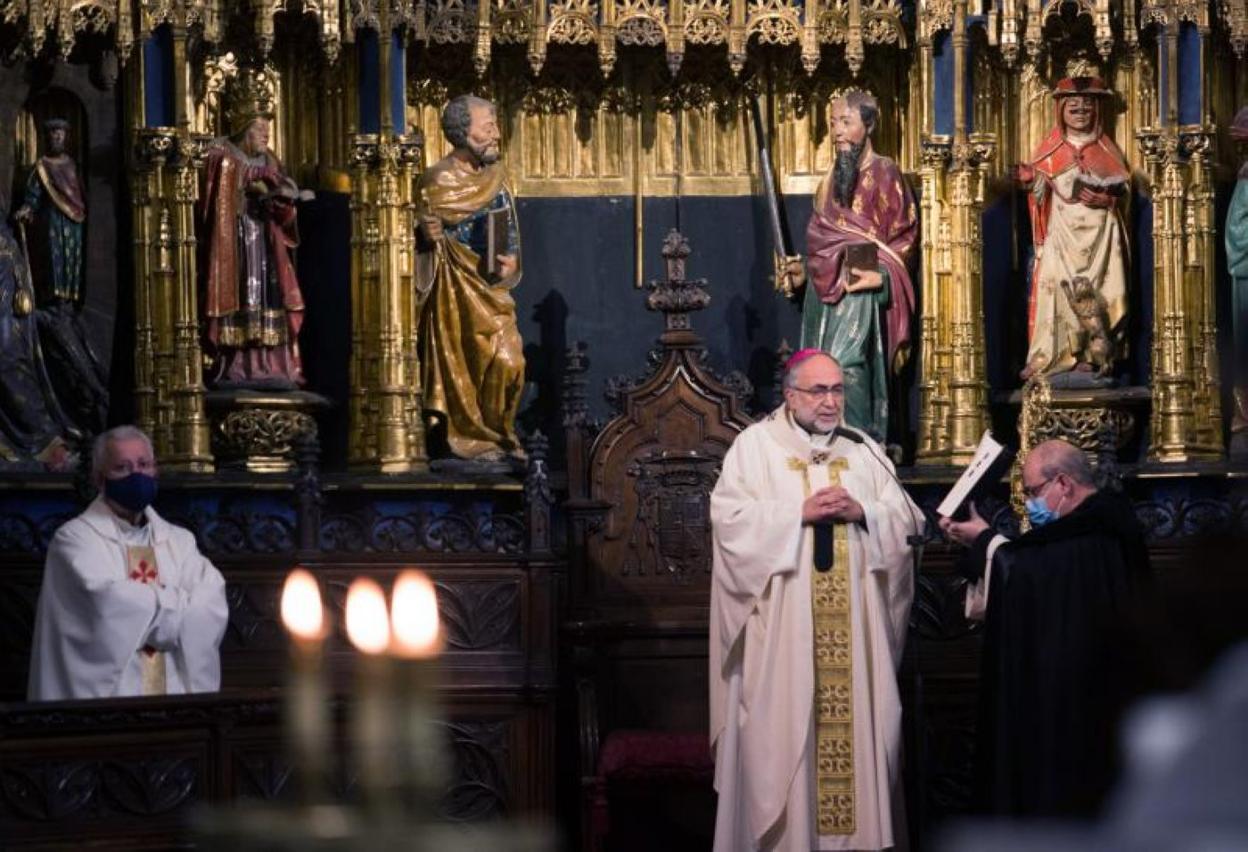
144,573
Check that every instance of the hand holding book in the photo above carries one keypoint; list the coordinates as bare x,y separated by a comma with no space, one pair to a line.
988,465
505,266
864,279
862,262
964,532
499,263
1096,191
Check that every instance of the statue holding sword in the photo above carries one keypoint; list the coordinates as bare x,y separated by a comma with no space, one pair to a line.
859,245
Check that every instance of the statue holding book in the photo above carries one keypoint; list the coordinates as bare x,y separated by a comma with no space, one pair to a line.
1078,181
468,260
859,244
252,304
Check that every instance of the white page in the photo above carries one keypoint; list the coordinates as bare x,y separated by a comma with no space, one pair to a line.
985,454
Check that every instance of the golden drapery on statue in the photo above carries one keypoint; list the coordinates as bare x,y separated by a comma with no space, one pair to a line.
472,360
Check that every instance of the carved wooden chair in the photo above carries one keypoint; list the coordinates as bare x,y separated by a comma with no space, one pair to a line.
640,565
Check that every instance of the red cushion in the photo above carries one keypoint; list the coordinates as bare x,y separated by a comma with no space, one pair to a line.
628,755
648,756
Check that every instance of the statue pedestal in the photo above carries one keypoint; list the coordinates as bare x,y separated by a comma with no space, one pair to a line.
1100,421
258,431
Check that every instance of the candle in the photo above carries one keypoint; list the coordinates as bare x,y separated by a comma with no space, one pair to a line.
307,716
414,617
373,722
416,643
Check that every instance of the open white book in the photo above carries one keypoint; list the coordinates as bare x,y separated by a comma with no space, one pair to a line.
989,463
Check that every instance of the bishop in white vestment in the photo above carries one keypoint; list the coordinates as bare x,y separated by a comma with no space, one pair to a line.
805,708
128,605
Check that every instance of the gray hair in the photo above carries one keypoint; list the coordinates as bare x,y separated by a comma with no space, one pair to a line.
790,375
457,118
1063,457
99,447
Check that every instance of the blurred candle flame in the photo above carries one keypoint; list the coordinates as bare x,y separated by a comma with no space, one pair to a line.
368,623
414,616
302,613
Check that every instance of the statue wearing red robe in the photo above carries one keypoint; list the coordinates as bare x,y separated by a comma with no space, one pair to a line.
250,296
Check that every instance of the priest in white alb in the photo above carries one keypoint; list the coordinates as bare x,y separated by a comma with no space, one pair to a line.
128,605
810,595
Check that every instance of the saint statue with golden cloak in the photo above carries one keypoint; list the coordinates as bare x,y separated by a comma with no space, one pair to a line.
471,356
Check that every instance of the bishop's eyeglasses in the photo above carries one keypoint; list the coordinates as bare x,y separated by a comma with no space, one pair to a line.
822,391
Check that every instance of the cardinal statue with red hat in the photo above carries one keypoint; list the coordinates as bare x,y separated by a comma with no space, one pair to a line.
1079,182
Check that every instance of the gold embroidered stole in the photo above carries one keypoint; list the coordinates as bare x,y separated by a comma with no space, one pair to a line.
834,688
141,568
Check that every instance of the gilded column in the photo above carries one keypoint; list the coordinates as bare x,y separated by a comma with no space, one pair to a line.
387,434
1197,143
968,384
1186,419
968,374
169,390
933,273
386,431
1173,419
365,248
953,392
153,267
190,449
935,269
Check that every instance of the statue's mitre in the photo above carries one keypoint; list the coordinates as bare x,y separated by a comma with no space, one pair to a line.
251,95
1080,86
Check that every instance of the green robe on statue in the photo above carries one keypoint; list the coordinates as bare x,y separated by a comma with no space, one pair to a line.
1237,264
54,192
850,332
867,331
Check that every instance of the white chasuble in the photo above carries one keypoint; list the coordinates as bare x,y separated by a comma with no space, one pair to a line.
126,610
798,769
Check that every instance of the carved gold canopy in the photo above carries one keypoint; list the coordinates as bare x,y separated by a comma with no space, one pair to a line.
844,26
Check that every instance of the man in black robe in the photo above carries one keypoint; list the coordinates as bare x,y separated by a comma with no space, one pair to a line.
1056,654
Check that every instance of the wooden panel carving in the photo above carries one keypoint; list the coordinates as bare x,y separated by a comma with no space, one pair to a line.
261,773
651,469
124,774
481,756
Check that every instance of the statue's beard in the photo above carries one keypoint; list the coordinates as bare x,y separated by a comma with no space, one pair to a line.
845,173
484,154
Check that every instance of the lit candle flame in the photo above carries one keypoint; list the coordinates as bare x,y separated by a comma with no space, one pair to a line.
368,624
414,616
301,605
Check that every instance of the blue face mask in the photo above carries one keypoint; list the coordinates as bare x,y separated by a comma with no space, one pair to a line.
134,492
1038,512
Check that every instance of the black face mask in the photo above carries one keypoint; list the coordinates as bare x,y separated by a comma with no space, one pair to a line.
134,492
